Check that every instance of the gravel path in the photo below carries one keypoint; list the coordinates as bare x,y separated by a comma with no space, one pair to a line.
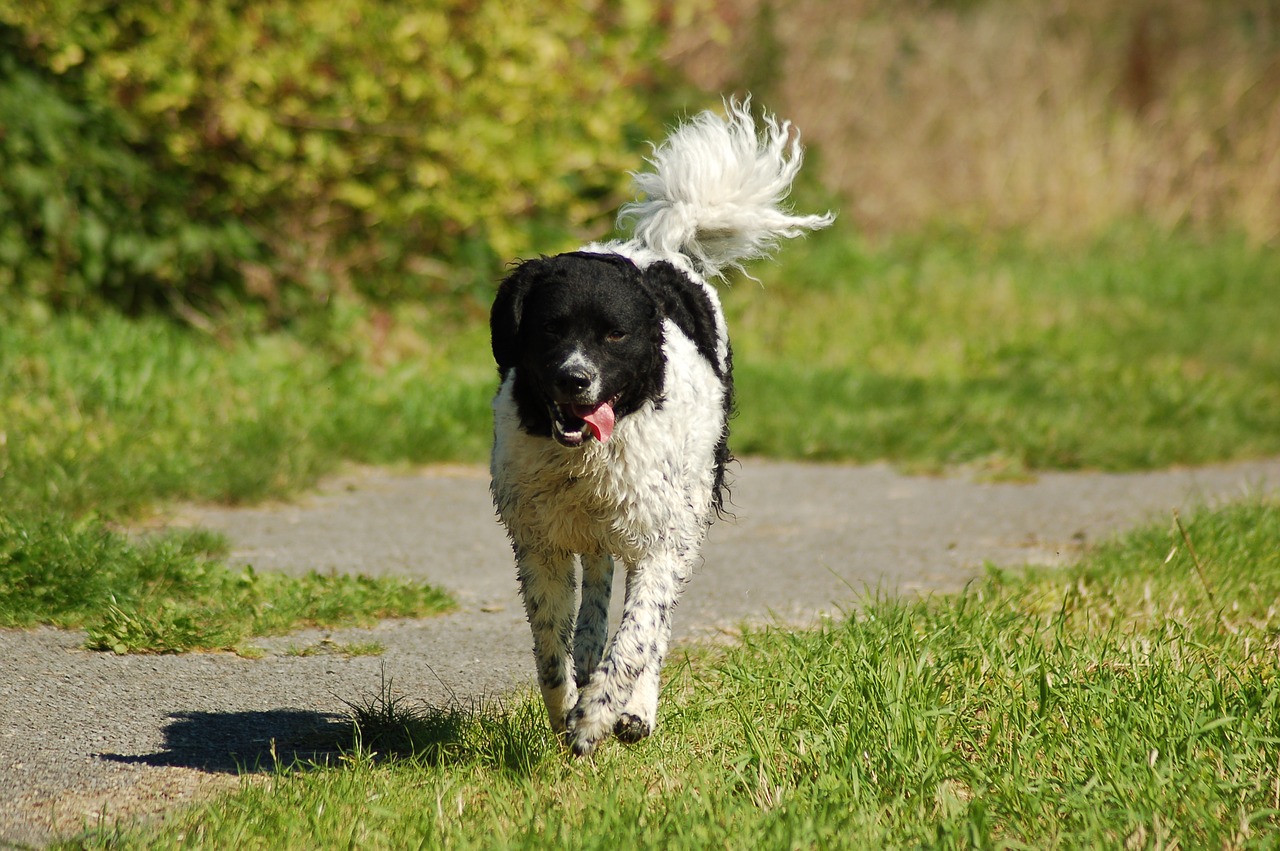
86,738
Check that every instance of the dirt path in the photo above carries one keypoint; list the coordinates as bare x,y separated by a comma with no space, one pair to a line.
90,736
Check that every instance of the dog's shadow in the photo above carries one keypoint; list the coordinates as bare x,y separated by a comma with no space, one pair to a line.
247,742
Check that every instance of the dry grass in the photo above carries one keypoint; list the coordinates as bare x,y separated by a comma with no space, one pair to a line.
1060,118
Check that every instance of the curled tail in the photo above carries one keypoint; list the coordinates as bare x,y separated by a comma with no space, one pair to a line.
717,188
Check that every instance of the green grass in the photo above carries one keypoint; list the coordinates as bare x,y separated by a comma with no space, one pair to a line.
109,415
1130,701
103,418
171,594
1135,352
328,647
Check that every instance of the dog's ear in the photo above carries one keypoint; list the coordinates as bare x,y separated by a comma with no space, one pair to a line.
686,303
508,307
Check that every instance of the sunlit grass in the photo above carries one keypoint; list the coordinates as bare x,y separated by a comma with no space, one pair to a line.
1131,700
1136,352
172,594
109,415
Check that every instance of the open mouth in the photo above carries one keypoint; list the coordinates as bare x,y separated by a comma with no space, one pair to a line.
571,423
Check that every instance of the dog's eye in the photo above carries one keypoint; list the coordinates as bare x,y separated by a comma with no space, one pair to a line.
617,335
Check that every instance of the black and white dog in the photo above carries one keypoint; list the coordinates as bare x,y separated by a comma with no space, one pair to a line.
611,422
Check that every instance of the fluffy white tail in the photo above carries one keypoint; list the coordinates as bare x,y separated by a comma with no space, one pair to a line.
717,189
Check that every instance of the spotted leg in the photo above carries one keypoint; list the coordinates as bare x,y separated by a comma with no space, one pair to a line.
547,586
639,646
593,616
639,716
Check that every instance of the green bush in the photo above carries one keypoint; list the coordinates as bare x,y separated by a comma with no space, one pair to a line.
86,216
368,146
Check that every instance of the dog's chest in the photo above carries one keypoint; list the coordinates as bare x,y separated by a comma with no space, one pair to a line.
579,504
646,489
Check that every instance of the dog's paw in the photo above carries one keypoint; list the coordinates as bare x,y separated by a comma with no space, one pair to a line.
583,743
587,727
631,728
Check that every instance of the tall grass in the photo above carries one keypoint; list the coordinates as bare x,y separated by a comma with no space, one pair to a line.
1063,118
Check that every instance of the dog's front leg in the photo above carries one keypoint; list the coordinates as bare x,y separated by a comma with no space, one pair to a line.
637,651
593,615
547,586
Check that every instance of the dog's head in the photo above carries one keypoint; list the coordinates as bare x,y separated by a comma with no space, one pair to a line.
584,334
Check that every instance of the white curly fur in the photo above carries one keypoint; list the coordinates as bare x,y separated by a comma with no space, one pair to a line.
716,191
646,496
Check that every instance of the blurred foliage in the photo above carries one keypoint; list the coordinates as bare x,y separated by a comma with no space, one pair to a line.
83,214
1064,120
290,150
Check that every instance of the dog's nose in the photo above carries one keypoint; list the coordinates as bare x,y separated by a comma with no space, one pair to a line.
572,381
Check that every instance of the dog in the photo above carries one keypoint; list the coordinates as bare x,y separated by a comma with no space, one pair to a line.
611,418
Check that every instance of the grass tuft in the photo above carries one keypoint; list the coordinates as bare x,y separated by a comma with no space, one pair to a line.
168,595
327,646
387,726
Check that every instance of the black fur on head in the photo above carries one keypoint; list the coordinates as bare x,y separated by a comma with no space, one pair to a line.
579,329
583,328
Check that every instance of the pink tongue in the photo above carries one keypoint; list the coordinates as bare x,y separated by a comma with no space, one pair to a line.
600,418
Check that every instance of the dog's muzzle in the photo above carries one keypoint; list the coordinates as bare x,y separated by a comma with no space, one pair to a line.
572,422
